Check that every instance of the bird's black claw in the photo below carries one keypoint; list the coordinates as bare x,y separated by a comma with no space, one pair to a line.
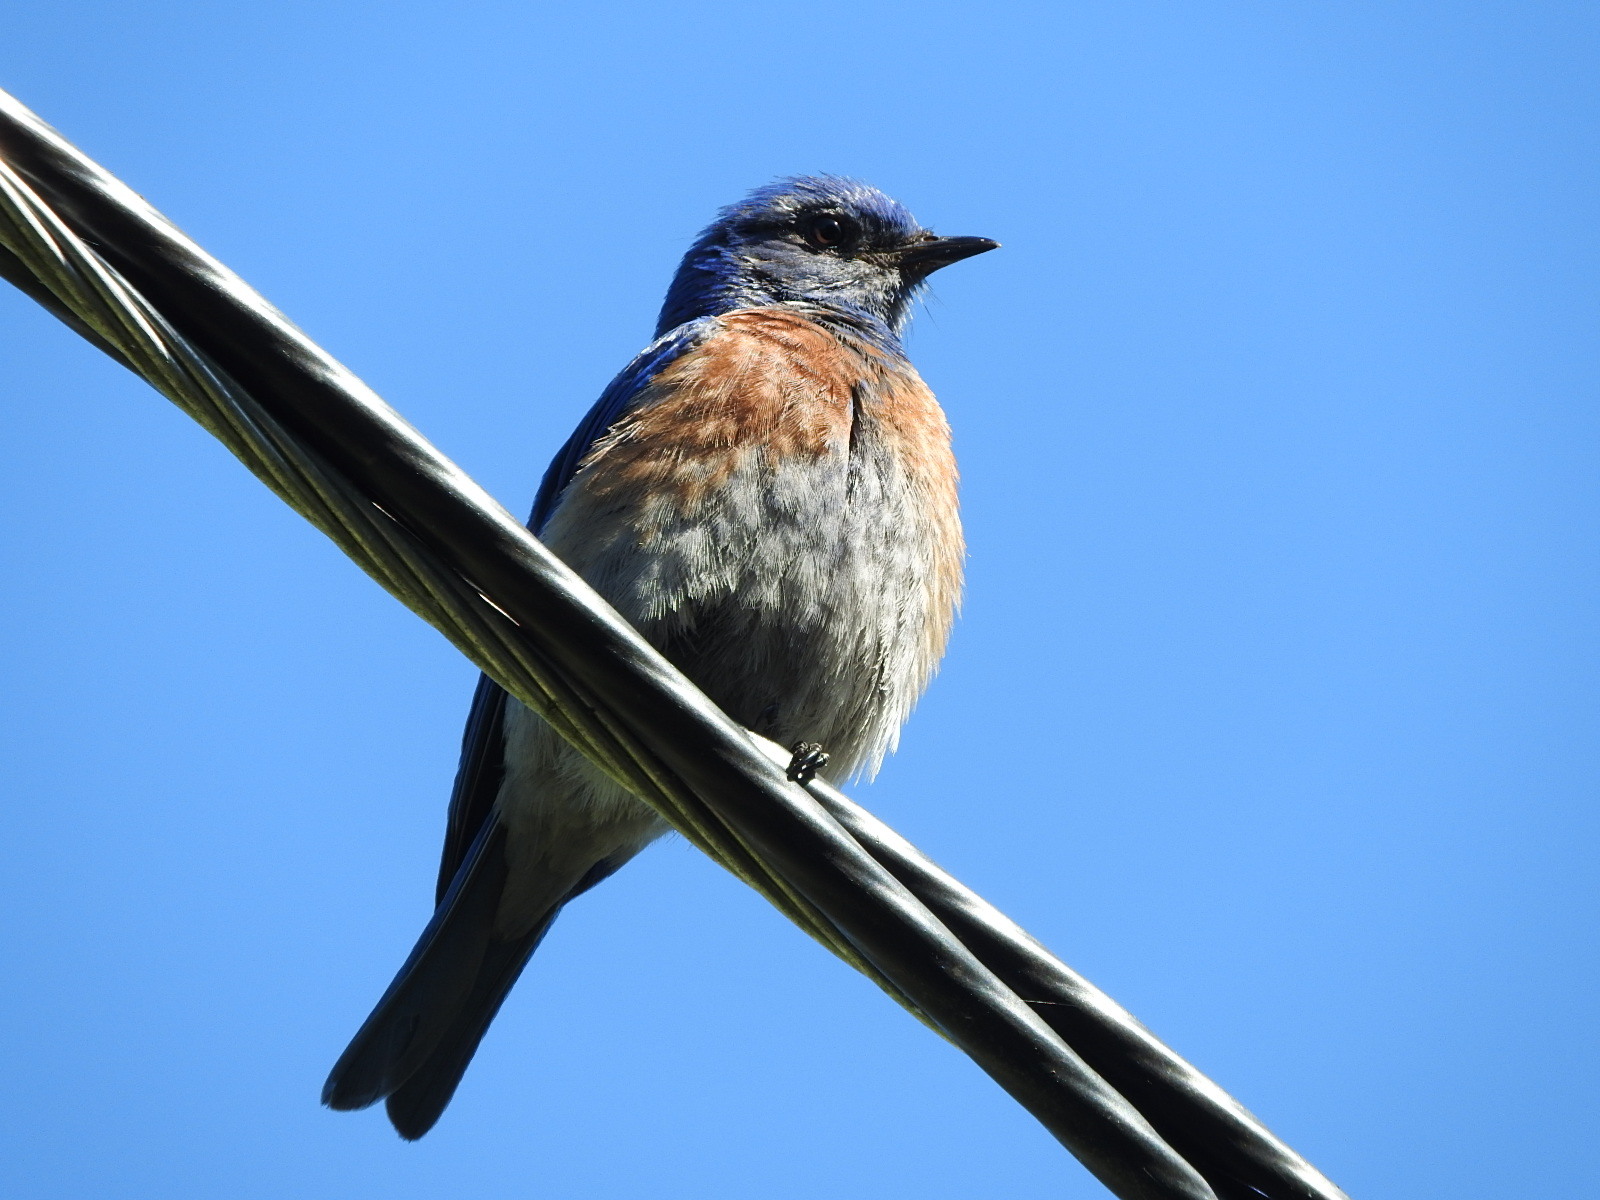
809,758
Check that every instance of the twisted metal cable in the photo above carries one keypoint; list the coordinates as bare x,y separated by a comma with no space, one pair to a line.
1144,1121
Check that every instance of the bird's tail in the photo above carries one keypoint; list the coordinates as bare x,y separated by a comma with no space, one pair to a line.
414,1048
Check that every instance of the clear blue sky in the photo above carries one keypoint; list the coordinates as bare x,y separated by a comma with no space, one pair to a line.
1272,707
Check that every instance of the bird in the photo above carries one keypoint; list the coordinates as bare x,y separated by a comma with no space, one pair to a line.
768,493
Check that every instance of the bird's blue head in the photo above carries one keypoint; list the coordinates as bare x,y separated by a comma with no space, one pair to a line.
819,240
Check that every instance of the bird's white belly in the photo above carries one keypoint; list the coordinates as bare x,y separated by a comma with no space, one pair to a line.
796,599
796,596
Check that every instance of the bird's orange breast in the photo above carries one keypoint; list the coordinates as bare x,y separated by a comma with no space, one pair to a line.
770,384
767,383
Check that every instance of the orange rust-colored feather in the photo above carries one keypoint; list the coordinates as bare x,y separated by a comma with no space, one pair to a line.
768,382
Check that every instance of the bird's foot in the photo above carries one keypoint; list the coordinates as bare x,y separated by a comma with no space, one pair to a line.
809,758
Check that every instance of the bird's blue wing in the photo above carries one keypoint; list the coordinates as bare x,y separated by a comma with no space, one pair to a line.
482,766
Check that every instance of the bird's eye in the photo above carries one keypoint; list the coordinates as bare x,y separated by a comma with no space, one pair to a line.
829,232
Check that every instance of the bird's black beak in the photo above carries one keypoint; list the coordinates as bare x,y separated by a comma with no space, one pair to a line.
922,258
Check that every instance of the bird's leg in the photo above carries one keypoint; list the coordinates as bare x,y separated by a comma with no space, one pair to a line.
809,758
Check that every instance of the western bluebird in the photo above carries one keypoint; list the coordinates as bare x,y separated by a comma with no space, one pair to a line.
767,492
